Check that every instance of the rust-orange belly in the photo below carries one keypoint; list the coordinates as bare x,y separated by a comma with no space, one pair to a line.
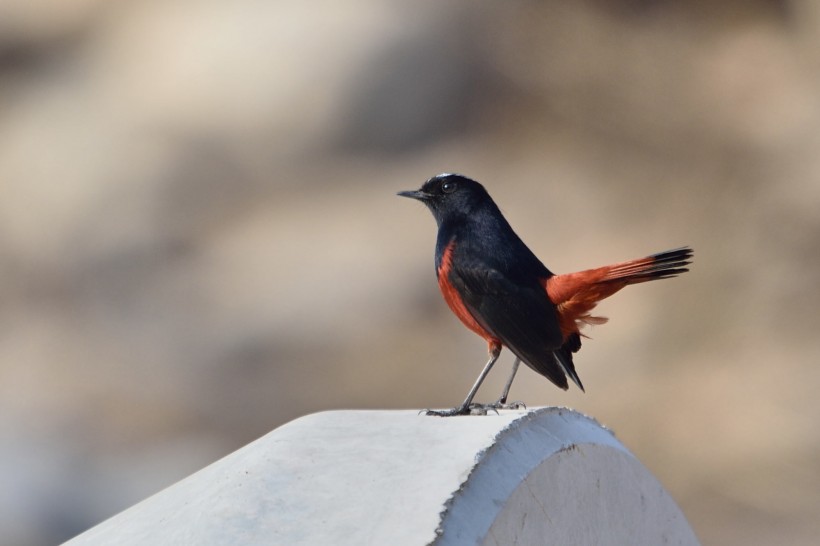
454,301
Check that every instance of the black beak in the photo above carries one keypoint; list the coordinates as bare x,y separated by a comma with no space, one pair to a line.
418,194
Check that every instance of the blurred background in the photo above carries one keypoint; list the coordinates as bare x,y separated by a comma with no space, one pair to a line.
200,238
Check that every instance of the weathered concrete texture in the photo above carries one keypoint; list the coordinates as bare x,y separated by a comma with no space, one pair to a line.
546,476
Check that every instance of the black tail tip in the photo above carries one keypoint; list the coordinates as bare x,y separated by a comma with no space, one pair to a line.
675,254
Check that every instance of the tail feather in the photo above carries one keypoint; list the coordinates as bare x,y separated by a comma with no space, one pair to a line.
564,357
576,294
662,265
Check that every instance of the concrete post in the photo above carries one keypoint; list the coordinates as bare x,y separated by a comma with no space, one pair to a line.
544,476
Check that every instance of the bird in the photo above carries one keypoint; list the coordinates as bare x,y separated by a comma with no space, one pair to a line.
501,291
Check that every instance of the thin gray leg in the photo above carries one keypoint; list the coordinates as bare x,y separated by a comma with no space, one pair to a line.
506,392
464,408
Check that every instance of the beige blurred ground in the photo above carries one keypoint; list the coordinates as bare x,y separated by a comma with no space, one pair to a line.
199,237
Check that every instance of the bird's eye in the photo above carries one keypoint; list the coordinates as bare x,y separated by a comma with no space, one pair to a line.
448,187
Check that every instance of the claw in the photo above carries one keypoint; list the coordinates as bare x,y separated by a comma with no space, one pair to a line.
482,409
517,405
461,410
475,409
499,405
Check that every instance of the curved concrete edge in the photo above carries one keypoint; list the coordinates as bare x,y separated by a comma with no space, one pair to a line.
361,478
511,458
590,494
559,477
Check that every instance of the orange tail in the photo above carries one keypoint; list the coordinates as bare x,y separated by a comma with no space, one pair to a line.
576,294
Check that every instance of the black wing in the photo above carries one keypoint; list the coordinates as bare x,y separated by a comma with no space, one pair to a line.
520,315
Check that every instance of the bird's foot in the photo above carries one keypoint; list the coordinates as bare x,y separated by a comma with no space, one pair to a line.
476,409
503,404
452,412
472,409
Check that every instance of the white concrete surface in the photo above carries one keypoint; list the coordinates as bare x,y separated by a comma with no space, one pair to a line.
544,476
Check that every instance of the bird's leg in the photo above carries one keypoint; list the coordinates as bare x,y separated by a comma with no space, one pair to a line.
501,403
506,391
464,408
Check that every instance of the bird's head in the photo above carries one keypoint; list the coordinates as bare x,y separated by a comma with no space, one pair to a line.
448,195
